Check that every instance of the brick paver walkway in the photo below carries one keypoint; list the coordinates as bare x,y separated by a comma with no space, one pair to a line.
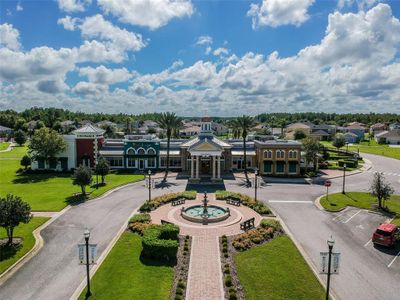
205,277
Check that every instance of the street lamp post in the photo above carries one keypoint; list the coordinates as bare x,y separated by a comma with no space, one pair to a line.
149,185
344,178
255,184
86,234
330,243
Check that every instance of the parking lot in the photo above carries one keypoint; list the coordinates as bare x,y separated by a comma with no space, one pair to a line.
359,225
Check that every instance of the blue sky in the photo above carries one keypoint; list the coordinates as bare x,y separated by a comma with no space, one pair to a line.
200,56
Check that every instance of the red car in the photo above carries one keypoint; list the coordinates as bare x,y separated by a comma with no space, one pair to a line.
386,235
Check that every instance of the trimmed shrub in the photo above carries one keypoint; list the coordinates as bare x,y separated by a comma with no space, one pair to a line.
139,228
140,218
266,223
349,163
228,281
258,206
179,291
178,297
227,271
181,284
161,241
226,255
163,199
232,295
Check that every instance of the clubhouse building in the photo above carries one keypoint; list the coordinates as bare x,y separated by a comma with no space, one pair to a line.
205,155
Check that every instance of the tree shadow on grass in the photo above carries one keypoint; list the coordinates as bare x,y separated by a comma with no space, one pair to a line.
156,262
7,251
24,178
76,199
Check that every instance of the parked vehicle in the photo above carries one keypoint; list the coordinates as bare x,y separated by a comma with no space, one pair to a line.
386,235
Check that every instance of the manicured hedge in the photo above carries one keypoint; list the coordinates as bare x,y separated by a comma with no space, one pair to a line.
139,223
163,199
258,206
349,163
161,242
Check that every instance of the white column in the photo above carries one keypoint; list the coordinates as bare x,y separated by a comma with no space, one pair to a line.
192,167
213,166
219,167
197,167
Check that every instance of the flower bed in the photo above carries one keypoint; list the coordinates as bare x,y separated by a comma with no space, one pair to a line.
163,199
181,269
248,201
267,230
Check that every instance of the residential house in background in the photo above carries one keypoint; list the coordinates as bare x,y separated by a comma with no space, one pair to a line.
395,125
351,137
391,137
5,131
356,129
219,129
377,128
189,131
67,125
291,129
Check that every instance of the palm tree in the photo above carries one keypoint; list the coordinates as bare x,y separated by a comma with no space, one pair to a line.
170,122
235,127
245,124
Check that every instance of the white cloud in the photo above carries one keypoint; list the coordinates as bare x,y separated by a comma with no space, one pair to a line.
68,23
73,5
204,40
97,27
276,13
89,88
148,13
104,75
9,36
353,68
19,7
208,50
221,51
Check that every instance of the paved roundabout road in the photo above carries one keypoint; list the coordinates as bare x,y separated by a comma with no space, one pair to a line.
366,272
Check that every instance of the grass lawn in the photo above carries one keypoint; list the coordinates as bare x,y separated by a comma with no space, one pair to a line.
276,270
10,256
48,192
339,201
124,276
4,145
371,148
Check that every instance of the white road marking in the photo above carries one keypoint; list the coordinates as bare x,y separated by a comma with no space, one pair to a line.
289,201
397,255
366,244
338,216
351,217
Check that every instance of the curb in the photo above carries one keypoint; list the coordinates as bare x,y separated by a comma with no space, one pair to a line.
306,258
103,256
39,242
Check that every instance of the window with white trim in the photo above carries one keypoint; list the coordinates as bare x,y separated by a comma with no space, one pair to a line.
141,151
115,161
131,151
151,151
151,162
280,154
268,154
131,162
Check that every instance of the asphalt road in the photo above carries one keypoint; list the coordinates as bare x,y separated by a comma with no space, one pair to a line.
366,272
54,273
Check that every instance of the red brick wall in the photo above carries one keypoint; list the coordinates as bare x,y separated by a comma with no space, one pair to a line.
84,147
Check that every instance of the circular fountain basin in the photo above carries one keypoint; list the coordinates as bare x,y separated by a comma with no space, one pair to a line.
196,214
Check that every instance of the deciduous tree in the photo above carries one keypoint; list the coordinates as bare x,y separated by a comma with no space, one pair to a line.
380,189
46,143
82,177
13,211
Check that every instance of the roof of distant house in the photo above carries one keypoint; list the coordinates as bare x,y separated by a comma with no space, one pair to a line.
89,128
378,125
4,128
350,134
355,126
300,125
390,133
320,132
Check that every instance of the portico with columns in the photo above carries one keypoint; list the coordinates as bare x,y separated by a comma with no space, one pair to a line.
205,154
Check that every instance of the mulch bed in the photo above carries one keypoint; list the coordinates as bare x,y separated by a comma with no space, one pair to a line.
181,270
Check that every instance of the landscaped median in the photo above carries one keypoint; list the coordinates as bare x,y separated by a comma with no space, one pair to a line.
24,241
339,201
148,261
263,263
49,191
